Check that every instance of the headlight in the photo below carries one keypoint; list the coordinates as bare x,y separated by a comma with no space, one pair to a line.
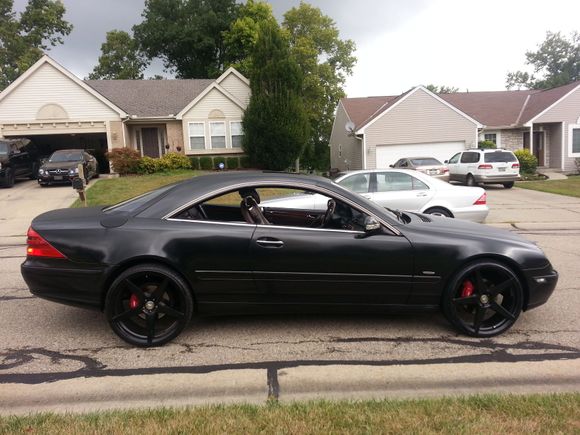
41,171
74,171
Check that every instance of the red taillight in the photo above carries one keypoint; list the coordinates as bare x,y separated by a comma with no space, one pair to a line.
445,170
38,247
482,200
516,166
486,166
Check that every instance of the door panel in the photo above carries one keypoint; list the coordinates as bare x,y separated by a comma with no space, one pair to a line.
299,266
150,142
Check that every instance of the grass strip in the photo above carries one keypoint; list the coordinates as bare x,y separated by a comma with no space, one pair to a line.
568,187
484,414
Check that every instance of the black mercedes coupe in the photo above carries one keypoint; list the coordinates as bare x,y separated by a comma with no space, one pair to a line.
207,246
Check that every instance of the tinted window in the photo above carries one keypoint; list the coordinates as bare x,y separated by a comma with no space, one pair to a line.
455,158
425,162
358,183
499,156
470,157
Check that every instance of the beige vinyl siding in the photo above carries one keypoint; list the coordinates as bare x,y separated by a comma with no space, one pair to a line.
351,155
237,88
419,118
48,85
214,99
568,111
555,146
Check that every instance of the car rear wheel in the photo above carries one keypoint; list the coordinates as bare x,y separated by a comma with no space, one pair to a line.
484,299
508,185
439,211
9,178
148,305
470,180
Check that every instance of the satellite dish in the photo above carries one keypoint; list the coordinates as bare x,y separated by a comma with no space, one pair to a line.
349,127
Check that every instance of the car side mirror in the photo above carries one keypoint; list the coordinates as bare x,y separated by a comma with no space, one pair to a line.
391,166
371,225
446,161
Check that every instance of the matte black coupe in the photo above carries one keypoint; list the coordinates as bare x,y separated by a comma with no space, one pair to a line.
207,246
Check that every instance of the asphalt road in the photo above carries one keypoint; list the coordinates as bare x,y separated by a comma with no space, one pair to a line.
44,342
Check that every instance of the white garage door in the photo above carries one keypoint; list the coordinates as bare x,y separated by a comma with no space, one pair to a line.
389,154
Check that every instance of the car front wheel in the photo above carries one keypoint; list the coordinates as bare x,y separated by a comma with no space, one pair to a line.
148,305
484,299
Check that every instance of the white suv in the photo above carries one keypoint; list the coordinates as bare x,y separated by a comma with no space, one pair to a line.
486,166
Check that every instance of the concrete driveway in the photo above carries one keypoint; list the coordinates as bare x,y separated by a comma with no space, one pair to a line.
59,358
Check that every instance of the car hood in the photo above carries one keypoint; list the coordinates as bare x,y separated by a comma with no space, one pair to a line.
60,165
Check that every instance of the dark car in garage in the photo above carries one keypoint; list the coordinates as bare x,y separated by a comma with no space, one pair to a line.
63,165
18,159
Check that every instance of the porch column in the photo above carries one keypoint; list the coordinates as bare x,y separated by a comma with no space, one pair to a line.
532,138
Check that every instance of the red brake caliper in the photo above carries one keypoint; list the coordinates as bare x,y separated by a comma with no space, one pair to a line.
467,289
133,301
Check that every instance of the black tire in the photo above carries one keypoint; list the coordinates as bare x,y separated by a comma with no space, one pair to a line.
493,306
34,173
470,181
145,297
508,185
9,178
439,211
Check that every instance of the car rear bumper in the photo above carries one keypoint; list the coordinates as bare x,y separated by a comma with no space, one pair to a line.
64,282
541,284
504,178
476,213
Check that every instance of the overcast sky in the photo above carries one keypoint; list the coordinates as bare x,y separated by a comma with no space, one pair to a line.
400,43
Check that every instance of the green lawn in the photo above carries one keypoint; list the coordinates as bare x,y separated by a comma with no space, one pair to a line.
570,187
113,190
489,414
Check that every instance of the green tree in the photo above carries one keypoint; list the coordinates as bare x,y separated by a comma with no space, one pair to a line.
24,38
120,58
275,123
326,61
187,35
555,63
242,35
442,89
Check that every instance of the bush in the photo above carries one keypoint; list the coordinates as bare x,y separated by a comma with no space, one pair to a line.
175,161
245,162
124,160
217,160
206,163
147,165
233,162
194,162
528,162
486,144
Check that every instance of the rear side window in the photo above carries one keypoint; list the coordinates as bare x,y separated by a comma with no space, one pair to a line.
499,157
469,157
425,162
397,181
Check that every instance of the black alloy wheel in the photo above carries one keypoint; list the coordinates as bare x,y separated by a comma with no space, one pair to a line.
470,180
148,305
484,299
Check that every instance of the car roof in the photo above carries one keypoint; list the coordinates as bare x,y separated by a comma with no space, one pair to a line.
489,150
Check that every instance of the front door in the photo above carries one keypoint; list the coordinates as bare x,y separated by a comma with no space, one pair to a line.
150,142
538,145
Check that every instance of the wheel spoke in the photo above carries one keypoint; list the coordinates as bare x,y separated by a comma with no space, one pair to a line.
495,290
160,290
479,283
468,300
151,317
172,312
126,315
135,289
478,319
501,310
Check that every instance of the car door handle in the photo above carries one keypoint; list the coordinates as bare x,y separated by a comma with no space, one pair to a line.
270,243
421,194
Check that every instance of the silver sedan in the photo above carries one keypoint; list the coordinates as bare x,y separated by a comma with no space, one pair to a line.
401,189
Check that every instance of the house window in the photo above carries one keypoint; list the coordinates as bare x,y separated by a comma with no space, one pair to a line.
575,140
237,133
196,135
492,137
217,131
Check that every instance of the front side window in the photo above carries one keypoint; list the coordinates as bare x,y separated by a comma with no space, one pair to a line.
358,183
218,134
196,136
237,133
455,158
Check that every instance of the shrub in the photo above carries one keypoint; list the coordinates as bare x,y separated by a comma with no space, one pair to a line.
206,163
486,144
577,163
528,162
194,162
175,161
147,165
217,160
245,162
124,160
233,162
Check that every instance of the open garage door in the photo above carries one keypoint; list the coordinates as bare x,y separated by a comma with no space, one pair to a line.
94,143
389,154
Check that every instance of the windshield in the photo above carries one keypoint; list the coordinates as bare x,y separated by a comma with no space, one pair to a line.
499,156
133,204
3,149
65,156
425,162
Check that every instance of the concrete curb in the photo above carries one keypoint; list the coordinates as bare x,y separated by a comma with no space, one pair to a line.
290,384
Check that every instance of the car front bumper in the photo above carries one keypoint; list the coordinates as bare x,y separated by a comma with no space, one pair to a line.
541,284
52,178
